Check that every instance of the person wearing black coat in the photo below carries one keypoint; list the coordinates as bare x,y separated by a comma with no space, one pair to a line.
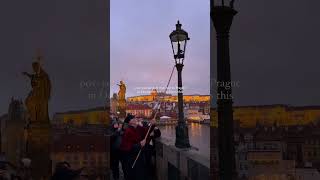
150,152
137,165
116,137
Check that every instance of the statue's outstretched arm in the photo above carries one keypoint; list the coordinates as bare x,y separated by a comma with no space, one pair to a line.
27,74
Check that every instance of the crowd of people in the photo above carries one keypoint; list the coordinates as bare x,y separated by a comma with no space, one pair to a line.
132,146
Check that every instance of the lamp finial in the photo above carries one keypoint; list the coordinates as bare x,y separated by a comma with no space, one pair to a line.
178,25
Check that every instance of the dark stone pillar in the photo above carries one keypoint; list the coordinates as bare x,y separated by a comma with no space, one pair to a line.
222,17
39,150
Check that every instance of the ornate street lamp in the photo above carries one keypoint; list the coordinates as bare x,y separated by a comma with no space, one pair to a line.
179,39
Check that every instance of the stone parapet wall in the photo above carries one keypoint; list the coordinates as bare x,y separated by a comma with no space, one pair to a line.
176,164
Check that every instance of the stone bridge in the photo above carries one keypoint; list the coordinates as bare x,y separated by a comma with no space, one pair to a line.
178,164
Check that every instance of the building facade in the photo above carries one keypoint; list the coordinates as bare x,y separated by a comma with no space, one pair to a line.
168,98
283,115
13,143
277,152
139,110
95,116
89,151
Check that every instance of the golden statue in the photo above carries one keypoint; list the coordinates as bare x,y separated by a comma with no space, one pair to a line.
122,99
122,91
38,98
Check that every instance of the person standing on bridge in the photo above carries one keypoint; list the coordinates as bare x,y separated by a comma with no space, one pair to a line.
132,142
150,151
116,136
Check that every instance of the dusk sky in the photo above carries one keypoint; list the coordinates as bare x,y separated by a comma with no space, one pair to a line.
141,53
73,37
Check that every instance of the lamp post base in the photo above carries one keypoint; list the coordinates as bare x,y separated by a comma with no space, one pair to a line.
182,136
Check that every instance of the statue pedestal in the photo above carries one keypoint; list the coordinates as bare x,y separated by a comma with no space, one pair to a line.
39,149
122,108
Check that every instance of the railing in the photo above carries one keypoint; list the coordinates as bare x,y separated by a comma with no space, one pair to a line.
173,163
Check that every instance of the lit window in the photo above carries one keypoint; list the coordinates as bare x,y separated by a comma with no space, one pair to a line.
68,147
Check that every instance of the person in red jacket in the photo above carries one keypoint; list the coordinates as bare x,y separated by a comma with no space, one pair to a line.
132,141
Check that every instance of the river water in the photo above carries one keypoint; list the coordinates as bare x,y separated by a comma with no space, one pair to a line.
199,136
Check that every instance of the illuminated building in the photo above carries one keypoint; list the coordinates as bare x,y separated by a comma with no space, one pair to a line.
168,98
279,152
96,116
139,110
282,115
90,151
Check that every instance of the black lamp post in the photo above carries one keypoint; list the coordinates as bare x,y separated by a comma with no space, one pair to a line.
179,39
222,17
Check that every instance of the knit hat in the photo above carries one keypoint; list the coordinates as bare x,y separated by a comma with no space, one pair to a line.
128,118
